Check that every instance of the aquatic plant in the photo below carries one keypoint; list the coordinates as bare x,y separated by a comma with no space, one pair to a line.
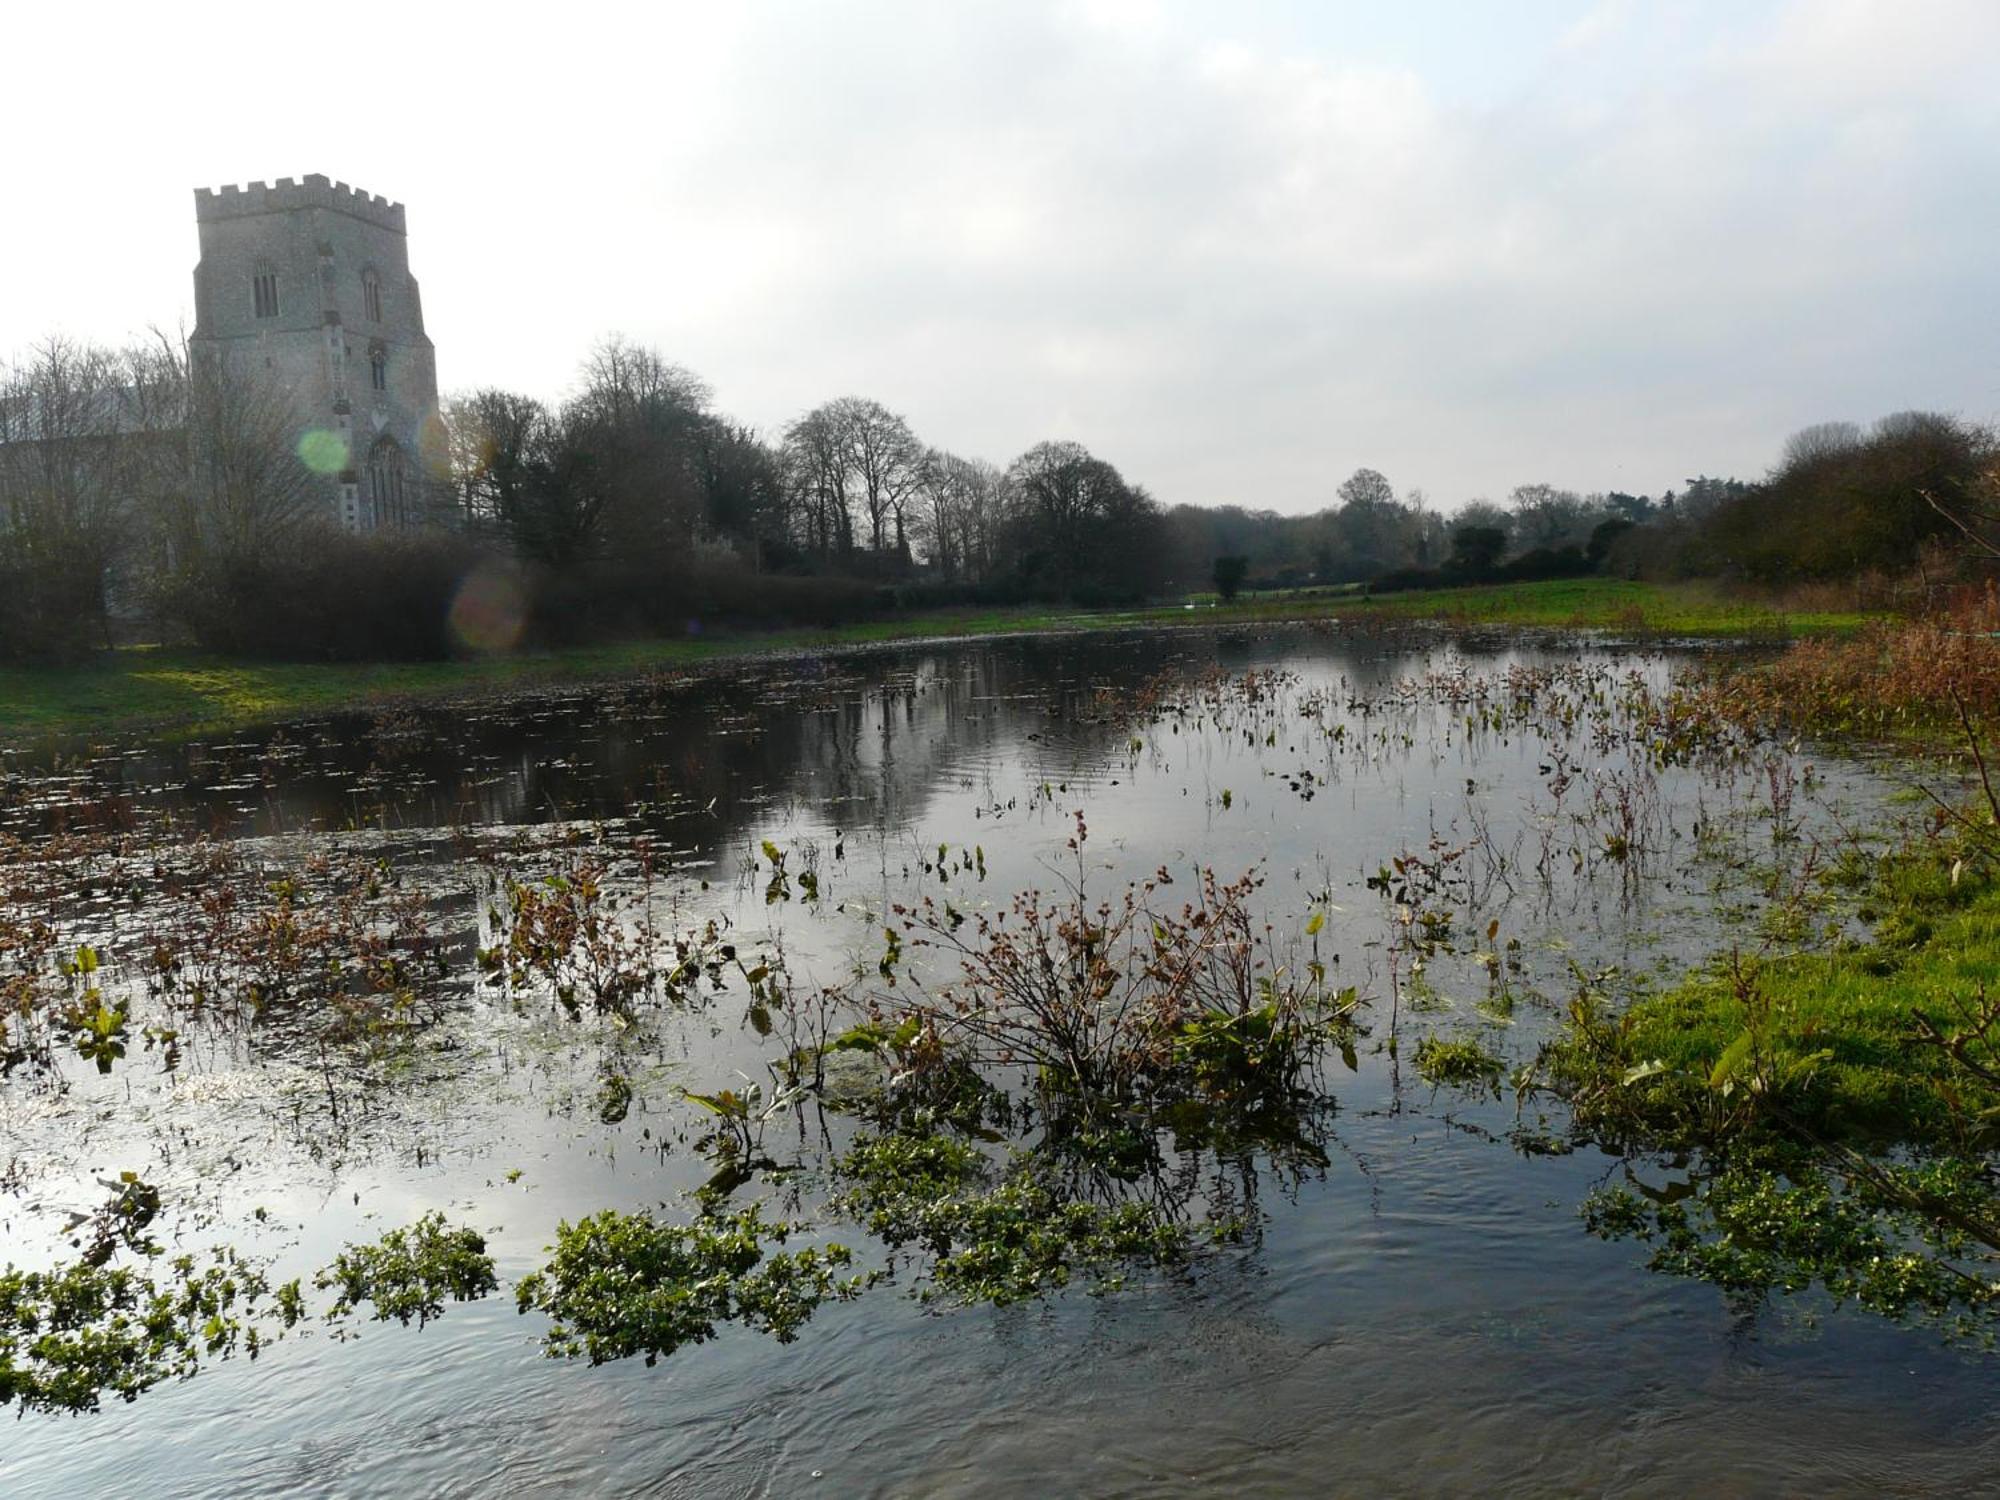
1119,1000
1907,1240
1006,1240
1455,1060
410,1272
27,991
570,934
121,1222
72,1335
623,1284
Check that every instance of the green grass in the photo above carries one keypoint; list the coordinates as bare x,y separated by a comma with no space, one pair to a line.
146,687
1572,603
1812,1130
1835,1025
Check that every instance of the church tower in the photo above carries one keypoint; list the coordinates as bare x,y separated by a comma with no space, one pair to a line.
307,284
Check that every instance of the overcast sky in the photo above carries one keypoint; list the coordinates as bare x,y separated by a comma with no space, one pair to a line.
1237,249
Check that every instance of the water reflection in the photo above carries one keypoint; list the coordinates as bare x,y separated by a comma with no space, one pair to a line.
1420,1314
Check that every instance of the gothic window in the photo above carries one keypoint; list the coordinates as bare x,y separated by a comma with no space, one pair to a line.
264,293
386,484
371,296
378,370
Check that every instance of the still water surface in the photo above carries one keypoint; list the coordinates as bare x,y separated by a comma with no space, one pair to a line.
1424,1314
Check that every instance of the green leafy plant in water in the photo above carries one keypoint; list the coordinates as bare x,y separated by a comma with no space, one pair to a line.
1246,1055
1019,1238
739,1116
780,886
410,1272
624,1284
924,1083
1456,1061
97,1025
1908,1241
75,1334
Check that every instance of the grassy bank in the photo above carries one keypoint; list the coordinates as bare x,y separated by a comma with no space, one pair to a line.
1570,603
1834,1039
1822,1120
1847,1042
144,687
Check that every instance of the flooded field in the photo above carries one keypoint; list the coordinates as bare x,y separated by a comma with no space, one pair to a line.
826,987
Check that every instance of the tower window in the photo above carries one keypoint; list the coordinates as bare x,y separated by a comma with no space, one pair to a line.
386,485
264,292
378,370
371,296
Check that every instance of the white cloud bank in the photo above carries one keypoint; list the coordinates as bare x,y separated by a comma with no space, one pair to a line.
1606,245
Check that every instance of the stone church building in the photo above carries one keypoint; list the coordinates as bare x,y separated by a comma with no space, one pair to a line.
308,284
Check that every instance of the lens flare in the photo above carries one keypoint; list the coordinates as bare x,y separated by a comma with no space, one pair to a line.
490,611
323,450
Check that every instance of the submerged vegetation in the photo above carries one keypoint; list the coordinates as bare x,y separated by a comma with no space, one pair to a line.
1904,1241
999,1241
1832,1097
75,1334
411,1272
625,1284
1456,1060
991,1087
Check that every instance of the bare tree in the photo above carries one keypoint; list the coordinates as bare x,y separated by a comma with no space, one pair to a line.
246,489
1545,516
1821,440
854,466
1371,524
816,465
887,461
624,381
80,454
640,421
1079,528
498,442
958,514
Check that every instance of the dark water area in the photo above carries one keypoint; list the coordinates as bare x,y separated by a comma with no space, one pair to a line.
1420,1311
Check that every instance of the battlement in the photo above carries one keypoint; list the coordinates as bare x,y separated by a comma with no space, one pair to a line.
312,191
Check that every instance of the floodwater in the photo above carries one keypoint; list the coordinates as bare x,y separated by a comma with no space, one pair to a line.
1419,1311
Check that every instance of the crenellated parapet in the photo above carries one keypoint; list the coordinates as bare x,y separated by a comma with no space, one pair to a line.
312,191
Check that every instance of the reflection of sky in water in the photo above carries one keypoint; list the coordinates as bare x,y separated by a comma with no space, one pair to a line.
1427,1315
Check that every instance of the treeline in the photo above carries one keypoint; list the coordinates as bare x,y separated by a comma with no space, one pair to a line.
637,484
138,487
1917,490
1377,537
139,490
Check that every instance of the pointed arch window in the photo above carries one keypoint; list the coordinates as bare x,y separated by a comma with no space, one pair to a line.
371,296
387,484
378,369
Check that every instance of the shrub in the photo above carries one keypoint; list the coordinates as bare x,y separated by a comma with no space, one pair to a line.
1228,575
328,595
48,615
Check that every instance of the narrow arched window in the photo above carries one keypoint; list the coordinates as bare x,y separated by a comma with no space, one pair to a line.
386,494
371,296
378,370
264,292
